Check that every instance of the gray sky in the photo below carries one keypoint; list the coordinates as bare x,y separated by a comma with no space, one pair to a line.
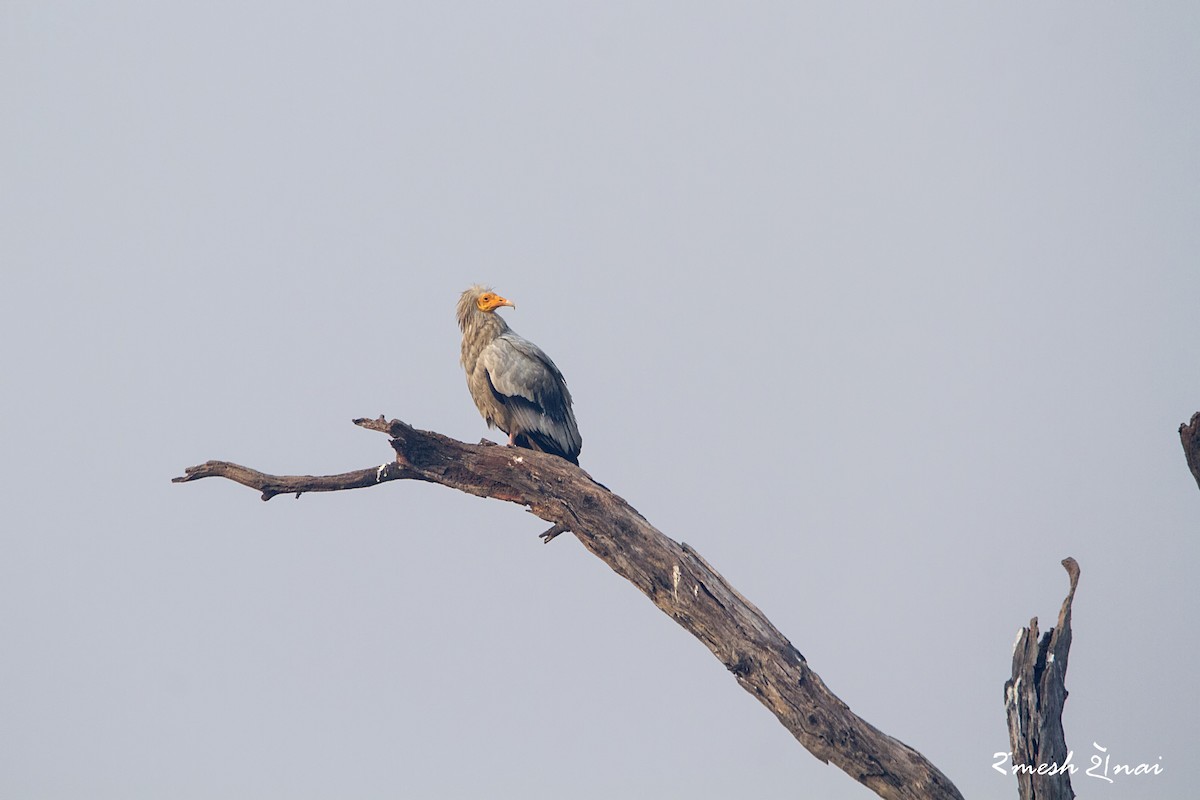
884,308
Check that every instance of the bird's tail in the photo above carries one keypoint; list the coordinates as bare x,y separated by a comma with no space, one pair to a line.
535,440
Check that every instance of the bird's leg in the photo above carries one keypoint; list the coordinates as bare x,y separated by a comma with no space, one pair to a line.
512,440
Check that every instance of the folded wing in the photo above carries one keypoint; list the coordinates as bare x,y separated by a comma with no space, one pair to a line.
534,395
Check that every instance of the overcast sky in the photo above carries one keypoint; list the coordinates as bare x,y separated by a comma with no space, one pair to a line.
883,308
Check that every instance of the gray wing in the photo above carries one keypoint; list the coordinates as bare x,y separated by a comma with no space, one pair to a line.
533,391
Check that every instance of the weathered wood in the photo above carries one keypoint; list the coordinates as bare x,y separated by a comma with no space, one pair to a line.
1189,436
271,485
1033,699
673,575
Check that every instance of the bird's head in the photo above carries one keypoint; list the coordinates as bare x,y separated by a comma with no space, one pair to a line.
489,301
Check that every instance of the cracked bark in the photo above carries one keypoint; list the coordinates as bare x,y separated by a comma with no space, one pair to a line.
1033,699
671,574
1189,436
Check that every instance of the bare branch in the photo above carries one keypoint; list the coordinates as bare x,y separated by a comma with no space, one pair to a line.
555,530
673,575
1189,435
1034,699
271,485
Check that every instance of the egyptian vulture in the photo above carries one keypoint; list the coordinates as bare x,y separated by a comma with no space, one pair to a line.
514,384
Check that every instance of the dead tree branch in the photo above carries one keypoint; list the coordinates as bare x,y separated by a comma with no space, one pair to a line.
673,575
1189,435
271,485
1034,699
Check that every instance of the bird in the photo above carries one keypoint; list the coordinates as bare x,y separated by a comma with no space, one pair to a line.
515,385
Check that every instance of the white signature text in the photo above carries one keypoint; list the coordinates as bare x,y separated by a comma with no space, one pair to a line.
1102,766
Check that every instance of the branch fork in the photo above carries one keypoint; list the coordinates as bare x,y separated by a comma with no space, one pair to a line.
671,574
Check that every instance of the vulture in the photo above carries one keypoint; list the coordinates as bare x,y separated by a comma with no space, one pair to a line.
516,386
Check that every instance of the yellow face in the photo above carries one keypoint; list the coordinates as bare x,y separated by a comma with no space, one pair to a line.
490,301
